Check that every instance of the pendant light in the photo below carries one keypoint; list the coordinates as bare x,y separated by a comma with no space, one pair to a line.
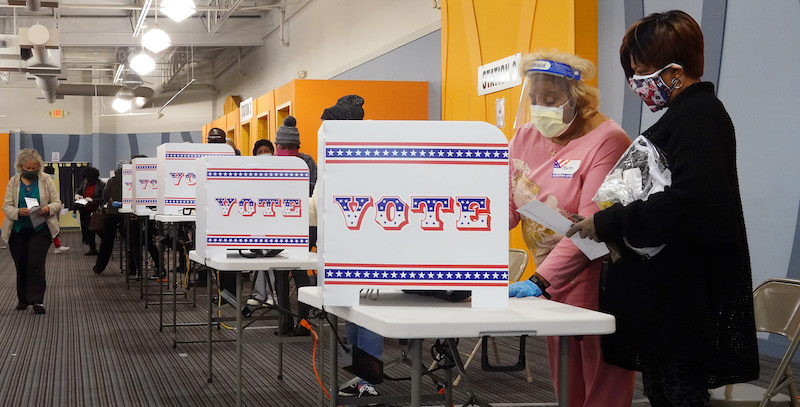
156,40
178,10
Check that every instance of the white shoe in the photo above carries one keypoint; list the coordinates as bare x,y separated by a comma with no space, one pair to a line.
61,249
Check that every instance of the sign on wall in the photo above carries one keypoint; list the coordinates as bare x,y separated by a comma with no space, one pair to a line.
246,110
176,173
145,185
127,186
252,203
413,205
498,75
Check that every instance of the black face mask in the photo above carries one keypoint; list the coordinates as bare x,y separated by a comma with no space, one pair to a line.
30,175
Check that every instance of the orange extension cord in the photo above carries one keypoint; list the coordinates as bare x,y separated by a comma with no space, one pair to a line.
306,325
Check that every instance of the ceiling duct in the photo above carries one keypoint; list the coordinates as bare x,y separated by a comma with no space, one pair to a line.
48,85
88,89
33,5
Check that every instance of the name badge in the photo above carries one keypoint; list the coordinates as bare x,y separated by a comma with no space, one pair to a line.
565,168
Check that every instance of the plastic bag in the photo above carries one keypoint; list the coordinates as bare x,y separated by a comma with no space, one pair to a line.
640,172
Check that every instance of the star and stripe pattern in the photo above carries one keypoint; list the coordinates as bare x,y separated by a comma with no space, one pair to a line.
493,275
257,241
257,175
146,167
183,202
416,153
145,201
193,155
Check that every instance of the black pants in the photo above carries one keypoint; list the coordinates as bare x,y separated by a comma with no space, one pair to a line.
86,234
135,253
670,384
107,242
29,251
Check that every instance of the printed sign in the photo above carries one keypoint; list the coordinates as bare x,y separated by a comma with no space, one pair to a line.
413,205
246,110
252,203
176,173
127,186
498,75
145,185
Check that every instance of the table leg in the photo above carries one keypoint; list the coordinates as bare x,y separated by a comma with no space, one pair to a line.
334,357
416,372
563,371
282,283
175,276
239,308
210,323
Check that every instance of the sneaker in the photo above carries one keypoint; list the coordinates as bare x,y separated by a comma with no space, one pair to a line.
61,249
38,309
349,391
367,390
91,252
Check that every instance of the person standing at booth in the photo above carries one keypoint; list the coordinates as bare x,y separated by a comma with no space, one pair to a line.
562,151
112,199
92,190
30,226
684,315
263,147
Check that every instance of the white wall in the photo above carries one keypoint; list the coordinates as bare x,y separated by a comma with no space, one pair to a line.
189,112
326,39
26,113
759,46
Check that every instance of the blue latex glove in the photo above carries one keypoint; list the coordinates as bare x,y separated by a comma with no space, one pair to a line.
75,215
116,204
524,289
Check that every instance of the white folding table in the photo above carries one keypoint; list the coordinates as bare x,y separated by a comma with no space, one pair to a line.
235,263
406,316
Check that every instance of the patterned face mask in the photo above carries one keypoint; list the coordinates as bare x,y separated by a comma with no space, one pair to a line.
652,88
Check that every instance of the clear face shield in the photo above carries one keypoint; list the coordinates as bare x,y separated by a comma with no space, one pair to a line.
546,101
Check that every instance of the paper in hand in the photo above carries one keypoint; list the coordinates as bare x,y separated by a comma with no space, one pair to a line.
37,218
81,201
540,213
31,203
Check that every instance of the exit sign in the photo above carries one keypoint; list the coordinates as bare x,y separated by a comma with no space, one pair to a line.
57,114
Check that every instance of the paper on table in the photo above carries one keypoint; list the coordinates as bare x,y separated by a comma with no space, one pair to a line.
81,201
543,215
31,202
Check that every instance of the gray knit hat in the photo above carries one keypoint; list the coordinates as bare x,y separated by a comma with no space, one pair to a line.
288,133
346,108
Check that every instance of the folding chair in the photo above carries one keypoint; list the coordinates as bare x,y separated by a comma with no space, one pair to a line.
517,263
777,310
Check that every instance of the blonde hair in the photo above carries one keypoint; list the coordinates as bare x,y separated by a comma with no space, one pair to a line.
26,155
587,97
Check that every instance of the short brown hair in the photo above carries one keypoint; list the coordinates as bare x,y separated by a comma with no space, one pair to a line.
663,38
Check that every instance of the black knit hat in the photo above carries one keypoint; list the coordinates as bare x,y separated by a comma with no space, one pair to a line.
216,135
262,142
288,133
346,108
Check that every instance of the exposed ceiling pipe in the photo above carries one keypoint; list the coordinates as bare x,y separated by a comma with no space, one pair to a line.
142,17
159,114
33,5
225,16
132,8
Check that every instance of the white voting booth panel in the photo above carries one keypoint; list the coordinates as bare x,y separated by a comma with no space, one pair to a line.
176,173
252,203
413,205
145,185
127,186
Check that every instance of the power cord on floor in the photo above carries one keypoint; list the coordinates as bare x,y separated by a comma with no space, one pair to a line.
306,325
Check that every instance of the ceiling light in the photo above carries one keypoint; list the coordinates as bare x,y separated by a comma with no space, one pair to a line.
139,102
121,106
156,40
178,10
143,64
123,99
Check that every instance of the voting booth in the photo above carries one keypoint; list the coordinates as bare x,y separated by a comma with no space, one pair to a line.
413,205
252,203
145,185
176,173
127,186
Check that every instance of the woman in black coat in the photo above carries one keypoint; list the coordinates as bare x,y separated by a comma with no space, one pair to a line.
91,189
684,316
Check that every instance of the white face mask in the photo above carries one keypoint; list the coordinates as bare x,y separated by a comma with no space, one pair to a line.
550,120
267,154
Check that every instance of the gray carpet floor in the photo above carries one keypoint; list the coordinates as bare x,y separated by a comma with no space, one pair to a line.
98,345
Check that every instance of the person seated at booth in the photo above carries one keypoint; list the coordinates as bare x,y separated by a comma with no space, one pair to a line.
263,147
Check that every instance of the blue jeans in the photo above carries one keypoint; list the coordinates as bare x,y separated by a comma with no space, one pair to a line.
365,339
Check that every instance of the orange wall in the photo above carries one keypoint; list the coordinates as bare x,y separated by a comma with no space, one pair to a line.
4,158
477,32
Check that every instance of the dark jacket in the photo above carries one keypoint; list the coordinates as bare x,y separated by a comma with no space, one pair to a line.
97,197
113,192
312,171
693,301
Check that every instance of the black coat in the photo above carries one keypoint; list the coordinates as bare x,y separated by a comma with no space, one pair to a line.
693,301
